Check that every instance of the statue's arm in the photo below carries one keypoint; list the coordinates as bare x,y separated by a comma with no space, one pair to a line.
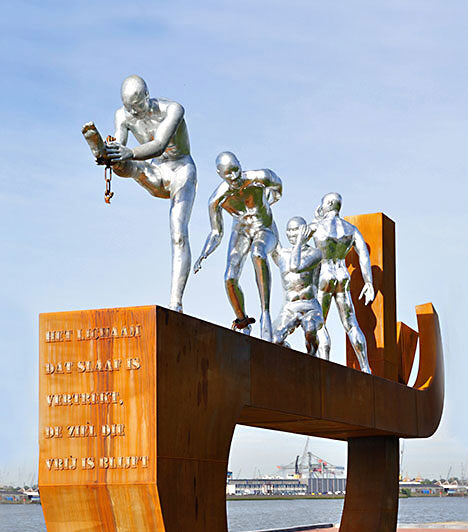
272,183
121,129
366,269
216,234
300,261
276,253
166,129
312,227
364,260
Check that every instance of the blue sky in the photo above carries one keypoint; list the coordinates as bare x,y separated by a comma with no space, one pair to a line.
365,98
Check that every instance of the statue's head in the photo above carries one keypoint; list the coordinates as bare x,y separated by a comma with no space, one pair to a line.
331,202
293,227
135,96
229,168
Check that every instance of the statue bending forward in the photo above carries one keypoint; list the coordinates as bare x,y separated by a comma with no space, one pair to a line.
162,164
300,268
246,196
335,237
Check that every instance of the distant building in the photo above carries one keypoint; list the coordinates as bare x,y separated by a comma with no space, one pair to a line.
12,496
266,486
285,486
326,485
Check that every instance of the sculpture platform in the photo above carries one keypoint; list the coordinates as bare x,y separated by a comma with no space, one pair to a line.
138,407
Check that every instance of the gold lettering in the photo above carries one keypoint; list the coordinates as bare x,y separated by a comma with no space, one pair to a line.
58,336
84,398
123,462
87,463
133,363
113,430
53,432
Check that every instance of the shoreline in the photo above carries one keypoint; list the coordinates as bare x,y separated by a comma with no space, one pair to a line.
322,497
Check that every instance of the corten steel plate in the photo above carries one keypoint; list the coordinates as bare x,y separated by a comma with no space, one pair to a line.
138,407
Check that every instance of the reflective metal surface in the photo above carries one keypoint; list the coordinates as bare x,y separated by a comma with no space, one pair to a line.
246,196
335,237
162,164
300,269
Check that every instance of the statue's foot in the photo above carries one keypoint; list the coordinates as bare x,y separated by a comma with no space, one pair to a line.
367,370
265,326
177,307
243,325
246,330
95,142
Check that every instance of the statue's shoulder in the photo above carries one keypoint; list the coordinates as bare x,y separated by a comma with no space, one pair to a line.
349,227
255,176
219,193
121,115
165,104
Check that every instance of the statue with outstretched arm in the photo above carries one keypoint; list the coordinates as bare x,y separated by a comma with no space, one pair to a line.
162,164
335,237
300,269
246,196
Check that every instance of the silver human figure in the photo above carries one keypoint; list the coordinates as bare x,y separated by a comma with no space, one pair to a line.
300,269
335,237
162,164
246,196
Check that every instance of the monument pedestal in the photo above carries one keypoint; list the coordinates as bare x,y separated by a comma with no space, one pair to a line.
138,408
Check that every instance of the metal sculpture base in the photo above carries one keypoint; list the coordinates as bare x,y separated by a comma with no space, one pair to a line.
138,407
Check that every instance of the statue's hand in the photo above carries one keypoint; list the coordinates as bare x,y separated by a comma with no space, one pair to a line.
117,152
318,215
197,265
273,196
368,293
305,232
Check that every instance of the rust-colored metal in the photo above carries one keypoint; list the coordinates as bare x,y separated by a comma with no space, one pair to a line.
378,319
407,341
370,505
191,382
196,381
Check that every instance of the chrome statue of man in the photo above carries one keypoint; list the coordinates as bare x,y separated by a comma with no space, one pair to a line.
162,164
335,237
300,270
246,196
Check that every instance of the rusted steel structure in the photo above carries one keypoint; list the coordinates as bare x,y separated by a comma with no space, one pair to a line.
138,407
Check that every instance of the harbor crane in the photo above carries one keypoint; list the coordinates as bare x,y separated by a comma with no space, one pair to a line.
310,465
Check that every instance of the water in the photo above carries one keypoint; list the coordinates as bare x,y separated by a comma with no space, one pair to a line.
252,515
